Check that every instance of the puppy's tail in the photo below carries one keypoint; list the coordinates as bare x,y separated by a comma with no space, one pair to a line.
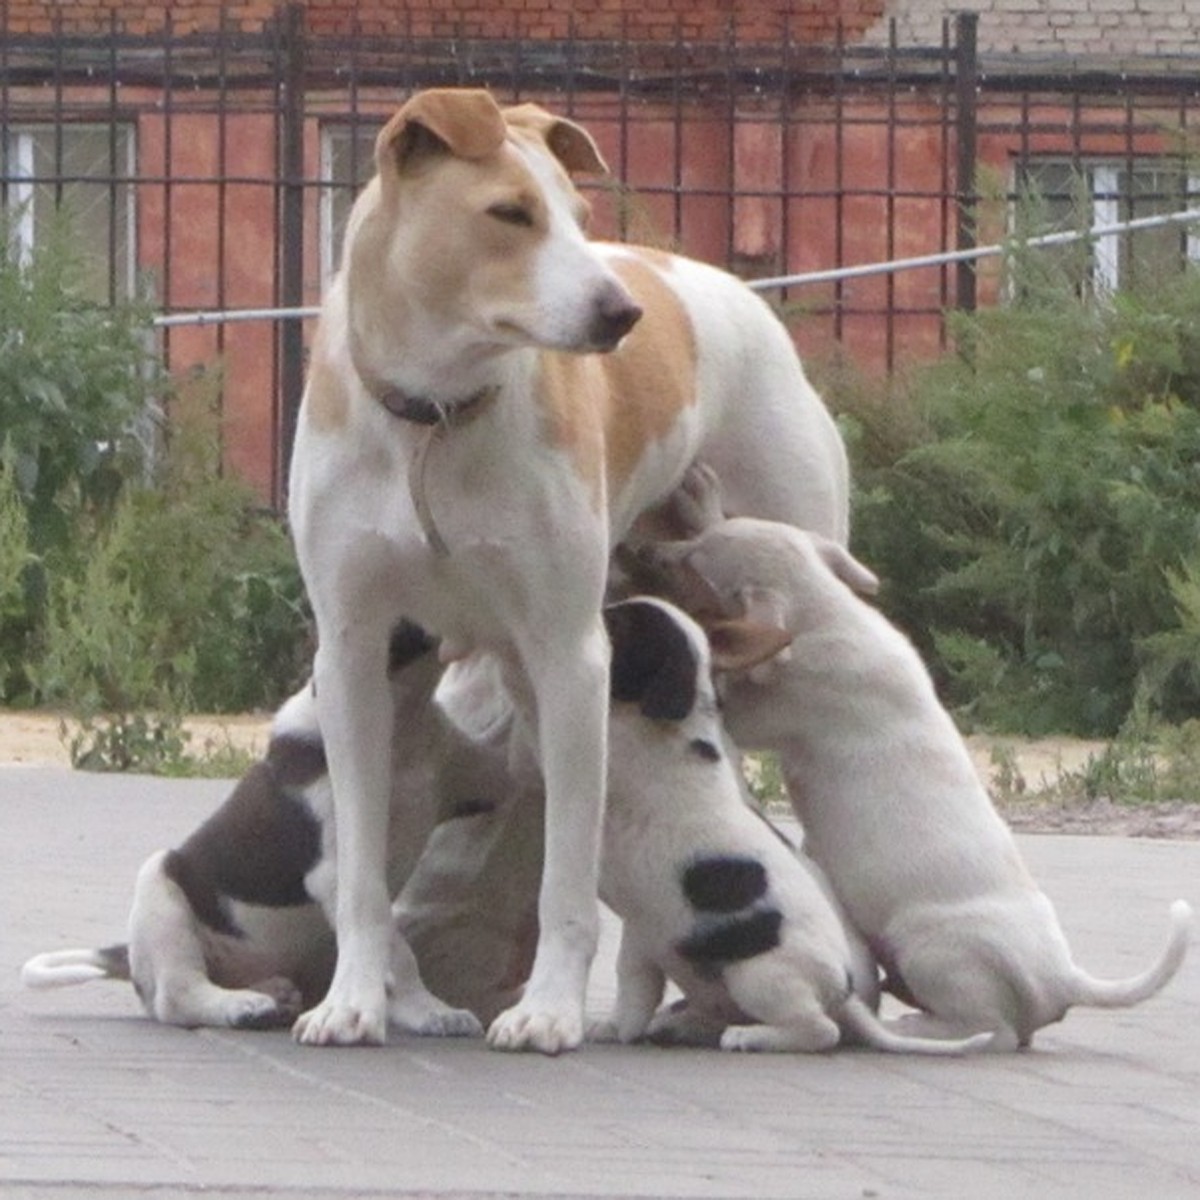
65,968
859,1021
1121,993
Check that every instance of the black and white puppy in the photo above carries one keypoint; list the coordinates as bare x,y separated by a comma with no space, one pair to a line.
233,928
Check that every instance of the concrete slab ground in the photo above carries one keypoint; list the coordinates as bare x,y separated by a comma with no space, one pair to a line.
97,1101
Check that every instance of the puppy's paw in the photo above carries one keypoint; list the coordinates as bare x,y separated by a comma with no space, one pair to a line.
433,1019
528,1028
818,1034
680,1025
602,1030
287,996
269,1004
334,1024
697,501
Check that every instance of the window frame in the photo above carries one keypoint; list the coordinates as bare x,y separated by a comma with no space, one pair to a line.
1112,200
23,180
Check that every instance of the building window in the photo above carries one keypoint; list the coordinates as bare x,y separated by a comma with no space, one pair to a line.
1068,194
347,162
84,173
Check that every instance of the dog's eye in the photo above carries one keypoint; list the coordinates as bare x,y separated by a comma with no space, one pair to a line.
512,214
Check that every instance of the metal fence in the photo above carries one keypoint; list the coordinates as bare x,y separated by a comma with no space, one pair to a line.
214,171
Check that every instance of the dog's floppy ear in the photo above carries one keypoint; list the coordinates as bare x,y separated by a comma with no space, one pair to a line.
653,661
846,567
767,608
665,568
571,144
465,122
740,644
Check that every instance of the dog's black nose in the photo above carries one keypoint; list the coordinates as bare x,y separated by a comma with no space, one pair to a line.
616,314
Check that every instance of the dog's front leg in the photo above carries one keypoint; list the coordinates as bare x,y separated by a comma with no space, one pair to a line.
570,682
640,984
356,724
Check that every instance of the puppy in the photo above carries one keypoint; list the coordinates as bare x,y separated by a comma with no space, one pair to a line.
710,895
233,928
889,799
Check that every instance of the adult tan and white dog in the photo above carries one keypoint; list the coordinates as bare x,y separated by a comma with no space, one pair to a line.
476,434
885,789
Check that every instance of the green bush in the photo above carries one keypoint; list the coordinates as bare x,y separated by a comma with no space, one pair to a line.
1037,519
134,577
187,599
80,386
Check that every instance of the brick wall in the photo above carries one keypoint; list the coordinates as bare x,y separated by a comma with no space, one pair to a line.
1083,29
693,20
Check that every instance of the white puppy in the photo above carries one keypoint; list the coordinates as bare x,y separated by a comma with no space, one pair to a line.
890,802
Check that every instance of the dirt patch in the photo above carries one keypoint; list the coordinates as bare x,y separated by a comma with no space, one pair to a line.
34,739
1023,775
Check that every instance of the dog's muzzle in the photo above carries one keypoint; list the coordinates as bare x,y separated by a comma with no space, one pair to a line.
616,314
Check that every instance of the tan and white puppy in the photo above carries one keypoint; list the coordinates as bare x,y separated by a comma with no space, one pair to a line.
492,401
709,894
234,927
889,799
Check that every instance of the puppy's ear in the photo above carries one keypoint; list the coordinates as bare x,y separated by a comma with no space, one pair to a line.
571,144
664,569
464,122
767,607
653,661
741,644
846,567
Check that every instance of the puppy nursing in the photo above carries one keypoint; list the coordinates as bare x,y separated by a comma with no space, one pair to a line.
234,927
708,893
890,802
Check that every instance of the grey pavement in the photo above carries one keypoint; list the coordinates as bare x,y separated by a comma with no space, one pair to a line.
96,1100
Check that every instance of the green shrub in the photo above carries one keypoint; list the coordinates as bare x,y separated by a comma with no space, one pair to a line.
188,599
80,386
1037,526
16,563
136,582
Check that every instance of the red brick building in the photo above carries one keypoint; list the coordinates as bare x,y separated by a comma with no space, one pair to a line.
651,20
209,150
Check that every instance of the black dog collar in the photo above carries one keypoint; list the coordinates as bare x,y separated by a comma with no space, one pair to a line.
420,410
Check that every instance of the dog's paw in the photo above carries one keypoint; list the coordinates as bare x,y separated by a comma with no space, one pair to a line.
527,1028
334,1024
602,1030
698,501
746,1039
682,1026
810,1037
433,1019
269,1004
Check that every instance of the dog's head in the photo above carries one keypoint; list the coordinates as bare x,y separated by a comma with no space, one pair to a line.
474,224
661,658
742,577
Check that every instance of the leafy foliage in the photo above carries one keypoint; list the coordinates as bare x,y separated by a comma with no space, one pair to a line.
79,387
1038,525
136,582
